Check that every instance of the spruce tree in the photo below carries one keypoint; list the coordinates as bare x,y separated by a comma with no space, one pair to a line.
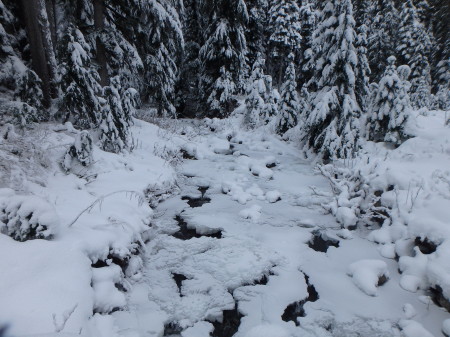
332,128
289,103
256,94
413,49
223,55
390,108
284,28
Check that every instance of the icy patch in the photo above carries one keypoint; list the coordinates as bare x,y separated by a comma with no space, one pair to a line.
368,275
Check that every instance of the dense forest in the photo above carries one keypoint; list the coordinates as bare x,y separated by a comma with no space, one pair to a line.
322,66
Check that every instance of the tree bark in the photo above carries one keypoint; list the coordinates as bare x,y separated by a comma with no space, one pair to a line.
41,47
99,24
51,12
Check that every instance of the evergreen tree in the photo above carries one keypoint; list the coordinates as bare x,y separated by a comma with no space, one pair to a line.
223,55
284,29
79,84
289,104
308,14
413,49
389,110
331,127
222,99
28,90
114,125
441,54
382,37
362,69
188,87
256,93
255,32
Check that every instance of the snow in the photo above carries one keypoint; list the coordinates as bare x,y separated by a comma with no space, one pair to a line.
249,246
367,273
446,327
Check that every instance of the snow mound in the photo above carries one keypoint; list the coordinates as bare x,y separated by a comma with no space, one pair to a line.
273,196
446,327
26,217
413,329
368,275
200,329
253,213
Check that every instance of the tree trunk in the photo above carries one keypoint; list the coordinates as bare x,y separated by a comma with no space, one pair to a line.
41,47
99,23
50,5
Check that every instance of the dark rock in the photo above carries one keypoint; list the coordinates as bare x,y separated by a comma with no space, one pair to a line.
187,155
425,246
438,297
229,325
172,328
382,280
321,243
271,165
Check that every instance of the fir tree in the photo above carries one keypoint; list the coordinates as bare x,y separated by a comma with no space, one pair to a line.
222,98
289,104
331,127
28,90
362,69
285,35
389,110
114,125
382,37
413,49
256,93
224,55
308,16
79,82
255,32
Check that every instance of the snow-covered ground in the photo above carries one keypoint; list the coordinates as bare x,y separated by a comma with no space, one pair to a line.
248,239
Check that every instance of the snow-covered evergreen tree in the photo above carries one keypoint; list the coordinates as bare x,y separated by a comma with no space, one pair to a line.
114,124
28,90
256,93
222,99
413,49
285,37
382,37
308,16
256,27
390,108
271,108
224,54
289,103
362,69
331,128
79,81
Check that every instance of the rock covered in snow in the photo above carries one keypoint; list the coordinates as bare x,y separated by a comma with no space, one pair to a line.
368,275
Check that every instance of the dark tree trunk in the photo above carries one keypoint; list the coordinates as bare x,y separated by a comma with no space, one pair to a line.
50,5
99,23
41,47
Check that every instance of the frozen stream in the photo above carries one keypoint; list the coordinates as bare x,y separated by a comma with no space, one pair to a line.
245,249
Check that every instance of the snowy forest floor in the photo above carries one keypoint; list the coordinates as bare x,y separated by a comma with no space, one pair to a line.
239,244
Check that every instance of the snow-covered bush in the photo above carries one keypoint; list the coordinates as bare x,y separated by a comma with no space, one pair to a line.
26,217
81,150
